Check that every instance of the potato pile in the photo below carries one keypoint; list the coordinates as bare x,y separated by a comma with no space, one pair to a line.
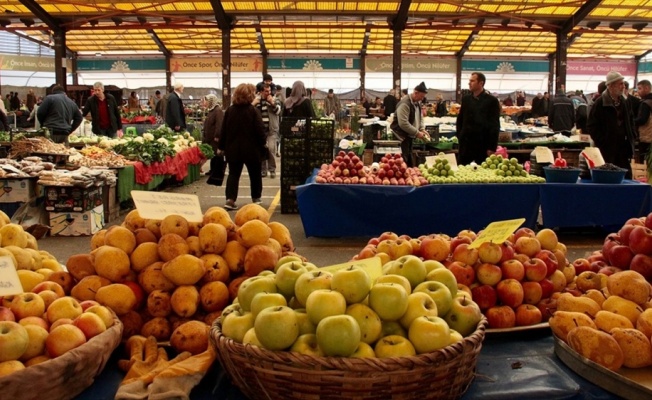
610,324
157,275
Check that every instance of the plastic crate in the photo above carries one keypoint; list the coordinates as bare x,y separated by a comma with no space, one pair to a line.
562,175
607,176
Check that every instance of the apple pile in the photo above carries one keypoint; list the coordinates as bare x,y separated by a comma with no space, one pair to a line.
629,248
512,282
413,308
36,327
494,170
347,168
610,323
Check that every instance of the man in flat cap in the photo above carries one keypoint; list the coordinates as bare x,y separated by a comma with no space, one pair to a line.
611,124
478,123
408,123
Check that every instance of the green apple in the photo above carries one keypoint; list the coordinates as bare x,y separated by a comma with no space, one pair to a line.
338,335
286,259
250,338
267,272
455,337
429,333
364,351
305,326
264,300
401,280
251,287
394,346
353,282
323,303
432,265
294,304
390,328
389,267
286,276
307,344
388,300
439,293
419,304
412,268
464,315
277,327
310,281
237,323
445,276
369,322
229,309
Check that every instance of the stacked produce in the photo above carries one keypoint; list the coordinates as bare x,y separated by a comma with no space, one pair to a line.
410,309
25,147
512,282
94,156
347,168
610,322
28,166
81,177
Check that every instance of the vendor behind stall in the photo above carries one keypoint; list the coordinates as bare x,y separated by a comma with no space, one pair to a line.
105,113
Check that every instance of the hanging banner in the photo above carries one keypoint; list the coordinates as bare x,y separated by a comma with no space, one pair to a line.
10,62
314,64
412,64
214,64
120,65
504,66
627,68
645,67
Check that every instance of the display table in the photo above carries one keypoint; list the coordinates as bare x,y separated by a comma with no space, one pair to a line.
588,204
521,366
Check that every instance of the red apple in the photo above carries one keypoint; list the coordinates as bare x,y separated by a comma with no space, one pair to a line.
642,264
86,304
468,233
624,233
609,270
620,256
527,314
524,232
581,265
521,257
595,266
138,292
484,296
535,270
640,240
465,254
507,251
513,269
501,317
49,285
6,314
488,274
547,307
510,292
464,273
527,245
387,235
532,292
547,288
434,247
490,252
63,339
647,222
91,324
549,258
597,256
457,240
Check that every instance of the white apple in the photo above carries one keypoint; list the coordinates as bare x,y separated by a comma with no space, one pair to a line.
338,335
369,322
309,282
14,340
390,328
305,326
103,312
419,304
388,300
276,327
250,338
394,346
353,282
324,303
428,334
439,293
307,344
432,265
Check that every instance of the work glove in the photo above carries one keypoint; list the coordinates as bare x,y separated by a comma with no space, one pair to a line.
176,381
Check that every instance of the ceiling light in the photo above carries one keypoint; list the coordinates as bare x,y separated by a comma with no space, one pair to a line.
639,26
593,24
615,25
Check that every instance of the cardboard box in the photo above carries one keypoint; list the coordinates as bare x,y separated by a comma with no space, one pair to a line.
77,223
17,190
72,198
110,203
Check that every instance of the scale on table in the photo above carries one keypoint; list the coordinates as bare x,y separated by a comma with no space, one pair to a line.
387,147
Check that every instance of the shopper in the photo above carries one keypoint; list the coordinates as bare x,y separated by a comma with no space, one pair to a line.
562,113
134,102
581,110
508,102
269,108
4,123
14,102
520,98
297,105
390,101
478,122
610,124
440,109
211,133
642,121
332,105
30,101
154,101
59,114
243,142
538,106
408,123
105,113
175,114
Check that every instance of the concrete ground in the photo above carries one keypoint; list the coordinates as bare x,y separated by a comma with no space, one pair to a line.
321,251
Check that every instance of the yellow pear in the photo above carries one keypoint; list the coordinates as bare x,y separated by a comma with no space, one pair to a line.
253,232
644,323
122,238
213,238
176,224
87,287
627,284
144,255
185,269
152,278
282,235
597,346
194,246
118,297
185,300
172,245
250,212
134,221
13,235
562,322
24,259
111,263
218,215
4,218
31,241
636,347
234,254
606,321
624,307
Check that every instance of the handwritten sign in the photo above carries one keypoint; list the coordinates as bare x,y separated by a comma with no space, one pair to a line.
544,155
497,232
593,153
158,205
9,282
372,265
452,161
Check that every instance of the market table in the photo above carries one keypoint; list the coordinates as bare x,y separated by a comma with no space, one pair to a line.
512,365
587,204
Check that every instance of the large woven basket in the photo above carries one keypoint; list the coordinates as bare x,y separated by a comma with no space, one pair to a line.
264,374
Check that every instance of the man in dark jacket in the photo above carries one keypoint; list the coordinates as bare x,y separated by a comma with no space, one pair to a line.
610,124
408,124
478,123
642,119
562,113
59,114
389,102
105,113
538,106
175,115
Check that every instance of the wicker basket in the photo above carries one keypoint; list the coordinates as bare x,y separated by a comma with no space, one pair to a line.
264,374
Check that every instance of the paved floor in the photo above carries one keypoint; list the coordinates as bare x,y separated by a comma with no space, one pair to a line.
321,251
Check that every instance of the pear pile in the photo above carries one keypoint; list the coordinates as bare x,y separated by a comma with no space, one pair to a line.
33,265
412,308
610,323
157,275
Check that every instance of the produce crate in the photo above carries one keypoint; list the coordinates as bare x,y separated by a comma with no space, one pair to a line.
77,223
10,208
17,189
110,203
72,198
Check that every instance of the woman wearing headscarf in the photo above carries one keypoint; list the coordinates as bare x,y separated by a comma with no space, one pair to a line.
298,105
211,136
243,141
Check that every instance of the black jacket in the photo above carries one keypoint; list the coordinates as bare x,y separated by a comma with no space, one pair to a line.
243,134
93,106
212,128
175,114
643,111
562,113
478,126
603,127
390,102
59,113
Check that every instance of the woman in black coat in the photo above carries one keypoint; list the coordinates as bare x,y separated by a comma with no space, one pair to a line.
243,142
297,105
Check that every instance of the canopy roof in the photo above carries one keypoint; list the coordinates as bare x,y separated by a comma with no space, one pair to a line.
595,28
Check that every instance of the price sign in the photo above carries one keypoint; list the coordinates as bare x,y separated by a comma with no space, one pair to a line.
497,232
593,153
544,155
372,265
9,282
158,205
